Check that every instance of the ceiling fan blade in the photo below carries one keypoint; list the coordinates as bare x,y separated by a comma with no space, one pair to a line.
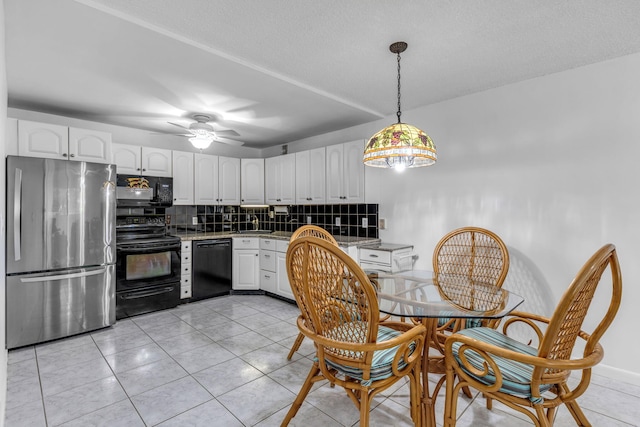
180,126
229,132
175,134
229,142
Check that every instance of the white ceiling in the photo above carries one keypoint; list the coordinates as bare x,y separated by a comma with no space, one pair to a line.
281,70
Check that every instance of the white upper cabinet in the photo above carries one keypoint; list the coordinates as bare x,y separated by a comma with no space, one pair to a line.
228,181
62,142
310,177
280,180
182,178
156,162
252,182
205,179
345,173
216,179
136,160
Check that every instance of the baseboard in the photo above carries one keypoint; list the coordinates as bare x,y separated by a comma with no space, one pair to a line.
618,374
246,292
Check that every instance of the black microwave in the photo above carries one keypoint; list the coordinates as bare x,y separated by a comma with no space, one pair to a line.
135,191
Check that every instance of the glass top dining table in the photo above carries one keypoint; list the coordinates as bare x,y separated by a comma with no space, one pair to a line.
433,299
423,294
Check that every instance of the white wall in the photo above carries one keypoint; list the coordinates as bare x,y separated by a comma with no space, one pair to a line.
550,164
3,115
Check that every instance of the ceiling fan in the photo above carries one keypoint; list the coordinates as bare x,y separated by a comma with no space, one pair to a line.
201,134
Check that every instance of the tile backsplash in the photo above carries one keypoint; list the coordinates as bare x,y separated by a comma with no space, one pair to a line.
345,220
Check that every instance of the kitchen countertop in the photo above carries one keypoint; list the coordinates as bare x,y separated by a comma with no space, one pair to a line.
277,235
390,247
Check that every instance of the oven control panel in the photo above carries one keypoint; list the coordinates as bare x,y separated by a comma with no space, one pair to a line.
141,220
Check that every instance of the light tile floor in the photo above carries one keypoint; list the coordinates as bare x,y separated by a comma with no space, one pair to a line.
222,362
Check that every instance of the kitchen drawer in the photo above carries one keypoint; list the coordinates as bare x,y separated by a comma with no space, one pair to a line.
377,256
246,243
267,280
185,280
268,244
185,257
268,260
186,245
282,245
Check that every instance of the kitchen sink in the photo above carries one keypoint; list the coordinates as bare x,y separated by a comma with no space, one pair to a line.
255,231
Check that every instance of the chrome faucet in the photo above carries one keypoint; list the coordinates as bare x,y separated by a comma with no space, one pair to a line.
255,222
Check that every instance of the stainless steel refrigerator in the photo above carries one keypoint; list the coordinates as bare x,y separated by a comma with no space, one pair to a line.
60,248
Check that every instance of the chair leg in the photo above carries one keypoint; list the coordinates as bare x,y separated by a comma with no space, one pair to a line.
295,346
301,395
577,414
467,392
451,400
415,395
365,402
542,416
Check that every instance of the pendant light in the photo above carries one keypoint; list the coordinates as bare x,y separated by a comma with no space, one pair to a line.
400,145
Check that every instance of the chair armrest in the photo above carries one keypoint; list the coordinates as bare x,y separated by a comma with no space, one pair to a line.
523,318
488,352
412,334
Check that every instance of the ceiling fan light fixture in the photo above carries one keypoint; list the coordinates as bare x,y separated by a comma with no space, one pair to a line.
400,145
201,141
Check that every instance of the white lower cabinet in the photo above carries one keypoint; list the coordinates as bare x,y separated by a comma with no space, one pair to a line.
268,265
246,264
283,288
273,267
185,269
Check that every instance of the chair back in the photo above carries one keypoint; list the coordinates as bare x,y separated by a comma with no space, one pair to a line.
566,322
472,252
315,231
335,297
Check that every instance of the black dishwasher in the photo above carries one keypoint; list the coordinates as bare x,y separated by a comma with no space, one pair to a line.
211,266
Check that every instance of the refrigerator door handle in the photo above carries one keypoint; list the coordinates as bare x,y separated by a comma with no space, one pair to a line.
17,214
63,276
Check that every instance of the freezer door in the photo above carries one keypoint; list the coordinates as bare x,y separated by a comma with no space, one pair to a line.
43,307
60,214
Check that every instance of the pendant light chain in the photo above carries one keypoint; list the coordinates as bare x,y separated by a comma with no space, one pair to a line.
398,113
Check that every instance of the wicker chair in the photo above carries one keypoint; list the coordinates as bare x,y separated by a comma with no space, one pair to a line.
304,231
533,380
340,314
469,252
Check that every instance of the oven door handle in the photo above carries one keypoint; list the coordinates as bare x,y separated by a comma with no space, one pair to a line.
149,293
150,249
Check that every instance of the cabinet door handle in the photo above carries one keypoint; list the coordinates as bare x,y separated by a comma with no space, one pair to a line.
373,256
64,154
72,155
144,170
137,169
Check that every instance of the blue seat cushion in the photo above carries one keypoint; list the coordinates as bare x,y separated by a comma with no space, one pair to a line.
471,322
516,376
381,364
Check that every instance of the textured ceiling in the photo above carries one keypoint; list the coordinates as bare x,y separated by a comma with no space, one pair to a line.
281,70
